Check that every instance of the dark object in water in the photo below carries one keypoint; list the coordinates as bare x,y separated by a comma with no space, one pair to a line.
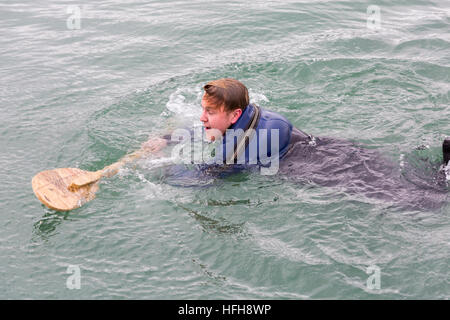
446,150
344,164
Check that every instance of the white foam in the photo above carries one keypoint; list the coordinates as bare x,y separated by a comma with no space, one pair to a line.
402,160
185,101
447,171
257,97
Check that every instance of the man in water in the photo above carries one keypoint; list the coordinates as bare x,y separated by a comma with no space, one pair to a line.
254,137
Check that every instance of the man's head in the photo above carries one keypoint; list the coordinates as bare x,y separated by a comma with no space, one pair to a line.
223,103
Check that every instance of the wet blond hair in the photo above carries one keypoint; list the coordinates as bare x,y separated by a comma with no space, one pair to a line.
228,93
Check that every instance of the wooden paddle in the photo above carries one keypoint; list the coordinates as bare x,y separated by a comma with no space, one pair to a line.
65,189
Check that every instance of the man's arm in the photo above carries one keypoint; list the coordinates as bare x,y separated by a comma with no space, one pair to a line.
154,145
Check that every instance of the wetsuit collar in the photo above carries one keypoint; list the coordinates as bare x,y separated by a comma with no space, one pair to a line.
244,119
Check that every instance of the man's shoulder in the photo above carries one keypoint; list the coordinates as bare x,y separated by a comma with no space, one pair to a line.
273,120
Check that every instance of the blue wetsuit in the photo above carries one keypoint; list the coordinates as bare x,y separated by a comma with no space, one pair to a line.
270,128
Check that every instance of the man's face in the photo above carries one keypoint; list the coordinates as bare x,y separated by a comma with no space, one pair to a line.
216,120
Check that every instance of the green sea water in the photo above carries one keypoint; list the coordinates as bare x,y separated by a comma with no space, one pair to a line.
84,83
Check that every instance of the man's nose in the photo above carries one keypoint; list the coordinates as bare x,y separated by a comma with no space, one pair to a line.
203,117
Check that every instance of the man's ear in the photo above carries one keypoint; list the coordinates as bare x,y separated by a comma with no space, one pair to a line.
236,115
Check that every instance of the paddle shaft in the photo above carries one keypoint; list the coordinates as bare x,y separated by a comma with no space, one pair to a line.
112,169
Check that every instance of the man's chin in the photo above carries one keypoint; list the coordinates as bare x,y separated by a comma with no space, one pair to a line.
212,134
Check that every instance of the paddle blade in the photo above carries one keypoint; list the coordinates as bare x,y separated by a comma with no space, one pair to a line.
51,187
84,179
